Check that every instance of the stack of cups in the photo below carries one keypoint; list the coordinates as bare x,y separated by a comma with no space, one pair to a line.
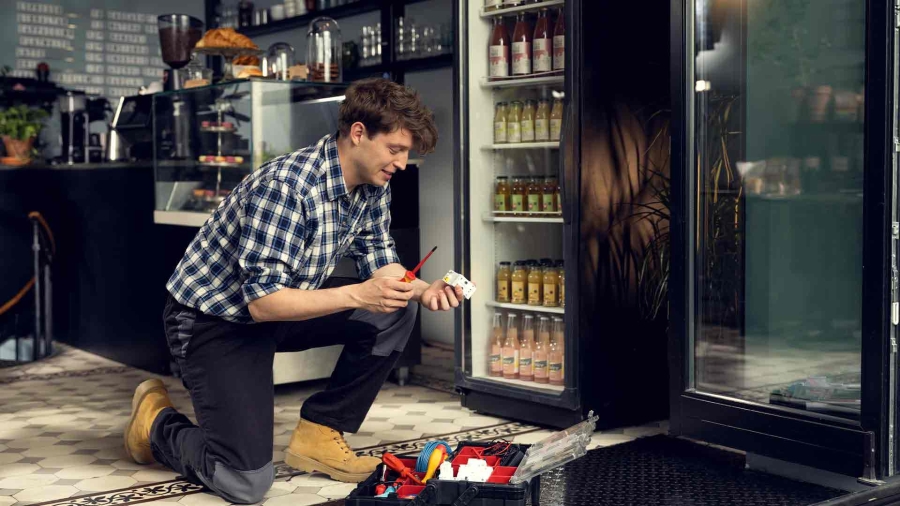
290,8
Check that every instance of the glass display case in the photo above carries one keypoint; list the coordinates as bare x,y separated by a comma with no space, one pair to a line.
207,139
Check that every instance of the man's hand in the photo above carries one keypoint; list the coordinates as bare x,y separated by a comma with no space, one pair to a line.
382,295
441,296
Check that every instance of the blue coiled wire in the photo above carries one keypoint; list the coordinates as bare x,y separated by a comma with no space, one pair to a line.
430,447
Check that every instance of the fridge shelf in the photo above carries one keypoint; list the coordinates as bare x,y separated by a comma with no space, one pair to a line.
522,384
524,145
522,8
525,307
549,80
537,218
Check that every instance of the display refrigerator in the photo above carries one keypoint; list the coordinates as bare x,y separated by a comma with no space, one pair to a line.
545,209
784,260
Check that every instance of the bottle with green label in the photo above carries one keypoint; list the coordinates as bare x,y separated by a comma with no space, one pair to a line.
548,195
517,198
501,195
534,190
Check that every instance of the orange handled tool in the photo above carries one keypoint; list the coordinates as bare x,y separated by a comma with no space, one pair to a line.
395,465
411,275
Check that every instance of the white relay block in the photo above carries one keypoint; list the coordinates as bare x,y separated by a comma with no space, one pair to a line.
456,279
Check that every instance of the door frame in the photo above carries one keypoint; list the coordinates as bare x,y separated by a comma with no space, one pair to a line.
859,449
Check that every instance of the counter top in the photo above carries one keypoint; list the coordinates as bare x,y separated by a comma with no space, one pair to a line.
78,166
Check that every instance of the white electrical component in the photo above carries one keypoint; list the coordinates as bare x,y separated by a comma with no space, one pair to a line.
445,472
456,279
475,470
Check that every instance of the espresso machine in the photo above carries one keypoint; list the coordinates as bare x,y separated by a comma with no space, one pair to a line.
74,127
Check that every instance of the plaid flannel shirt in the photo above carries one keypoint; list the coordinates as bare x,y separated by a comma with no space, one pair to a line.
286,225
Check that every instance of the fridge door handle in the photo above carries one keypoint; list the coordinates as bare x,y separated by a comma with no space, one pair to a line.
564,166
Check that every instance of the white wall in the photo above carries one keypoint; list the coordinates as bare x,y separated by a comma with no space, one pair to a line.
436,195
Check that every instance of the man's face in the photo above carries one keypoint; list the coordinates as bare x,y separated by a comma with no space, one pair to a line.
381,156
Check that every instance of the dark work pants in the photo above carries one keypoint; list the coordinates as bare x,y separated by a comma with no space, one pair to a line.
227,368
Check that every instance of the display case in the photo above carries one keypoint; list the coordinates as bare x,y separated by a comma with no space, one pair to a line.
207,139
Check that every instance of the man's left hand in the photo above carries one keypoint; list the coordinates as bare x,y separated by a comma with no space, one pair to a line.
441,297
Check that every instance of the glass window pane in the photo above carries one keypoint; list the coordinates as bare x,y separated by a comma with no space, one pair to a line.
778,118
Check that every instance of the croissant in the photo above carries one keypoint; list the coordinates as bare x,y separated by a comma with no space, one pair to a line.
226,37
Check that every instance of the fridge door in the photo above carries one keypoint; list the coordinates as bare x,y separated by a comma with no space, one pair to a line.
781,255
490,232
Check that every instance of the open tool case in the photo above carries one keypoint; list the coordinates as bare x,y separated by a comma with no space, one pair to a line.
497,491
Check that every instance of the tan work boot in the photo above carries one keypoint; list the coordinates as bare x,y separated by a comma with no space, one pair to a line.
316,448
149,399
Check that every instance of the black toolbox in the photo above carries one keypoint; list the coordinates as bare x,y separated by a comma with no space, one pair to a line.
497,491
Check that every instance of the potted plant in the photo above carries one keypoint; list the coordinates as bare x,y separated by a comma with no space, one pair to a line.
19,126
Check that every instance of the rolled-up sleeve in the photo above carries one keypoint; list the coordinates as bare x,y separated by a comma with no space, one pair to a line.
374,247
272,237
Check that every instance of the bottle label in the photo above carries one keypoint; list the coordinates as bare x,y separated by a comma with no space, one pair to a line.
549,295
499,61
559,52
542,59
534,203
511,362
547,204
502,291
499,132
514,132
518,295
495,362
541,130
527,128
534,294
555,129
525,367
500,203
556,371
521,58
517,204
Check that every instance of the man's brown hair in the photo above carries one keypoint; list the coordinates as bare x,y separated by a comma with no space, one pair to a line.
383,106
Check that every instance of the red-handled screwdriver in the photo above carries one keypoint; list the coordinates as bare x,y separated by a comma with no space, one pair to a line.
411,275
395,465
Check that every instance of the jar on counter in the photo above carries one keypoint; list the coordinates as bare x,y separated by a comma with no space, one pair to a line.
324,48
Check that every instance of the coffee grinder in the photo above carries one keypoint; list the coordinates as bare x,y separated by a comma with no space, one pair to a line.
178,34
74,131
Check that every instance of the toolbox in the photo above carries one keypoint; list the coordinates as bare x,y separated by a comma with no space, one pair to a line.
497,491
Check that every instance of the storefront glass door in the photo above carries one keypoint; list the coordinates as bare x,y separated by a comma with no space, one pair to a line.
778,221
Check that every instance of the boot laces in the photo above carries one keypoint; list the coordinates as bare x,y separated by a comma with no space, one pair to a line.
341,442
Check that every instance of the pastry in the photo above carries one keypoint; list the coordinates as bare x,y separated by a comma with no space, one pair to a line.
226,37
249,72
246,60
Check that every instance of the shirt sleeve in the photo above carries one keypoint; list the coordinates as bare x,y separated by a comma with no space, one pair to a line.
272,235
374,248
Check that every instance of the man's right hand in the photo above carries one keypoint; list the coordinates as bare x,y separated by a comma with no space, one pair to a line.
382,295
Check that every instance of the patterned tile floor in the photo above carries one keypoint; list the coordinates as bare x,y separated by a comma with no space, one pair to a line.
61,422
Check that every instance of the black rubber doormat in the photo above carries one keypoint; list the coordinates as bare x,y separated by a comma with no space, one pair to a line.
662,470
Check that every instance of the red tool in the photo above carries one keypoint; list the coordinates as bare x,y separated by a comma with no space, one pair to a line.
395,465
411,275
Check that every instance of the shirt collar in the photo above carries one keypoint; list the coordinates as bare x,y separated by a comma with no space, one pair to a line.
335,187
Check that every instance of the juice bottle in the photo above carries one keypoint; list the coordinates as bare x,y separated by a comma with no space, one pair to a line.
535,284
561,272
521,46
500,123
556,116
548,195
555,357
514,122
557,198
504,277
527,126
551,286
519,279
510,351
542,121
517,198
559,42
541,350
498,52
533,195
526,364
496,366
542,44
501,195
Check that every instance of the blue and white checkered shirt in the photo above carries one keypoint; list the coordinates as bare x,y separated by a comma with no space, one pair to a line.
286,225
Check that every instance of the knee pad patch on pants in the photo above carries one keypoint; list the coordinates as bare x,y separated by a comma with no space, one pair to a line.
395,335
243,487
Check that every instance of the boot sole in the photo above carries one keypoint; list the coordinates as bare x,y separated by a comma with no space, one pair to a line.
142,390
313,466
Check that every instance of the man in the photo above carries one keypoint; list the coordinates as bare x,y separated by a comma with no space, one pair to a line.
255,281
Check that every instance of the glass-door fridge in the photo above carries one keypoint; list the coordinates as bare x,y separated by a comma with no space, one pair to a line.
535,344
784,179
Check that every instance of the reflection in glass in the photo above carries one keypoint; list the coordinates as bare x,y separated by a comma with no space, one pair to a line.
778,119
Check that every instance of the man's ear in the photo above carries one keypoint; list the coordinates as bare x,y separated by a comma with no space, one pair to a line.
357,131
